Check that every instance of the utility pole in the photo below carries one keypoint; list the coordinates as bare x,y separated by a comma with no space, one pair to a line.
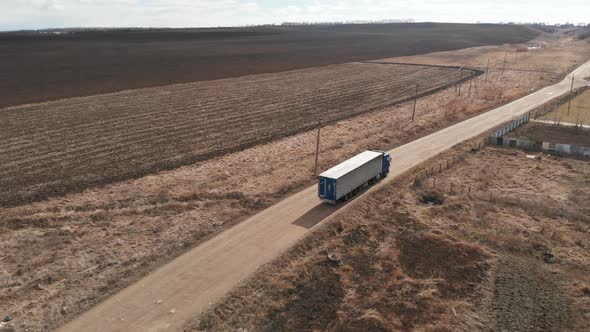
470,82
415,100
569,105
317,148
504,64
487,69
460,81
578,121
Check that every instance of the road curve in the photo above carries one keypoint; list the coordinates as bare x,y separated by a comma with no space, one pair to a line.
173,294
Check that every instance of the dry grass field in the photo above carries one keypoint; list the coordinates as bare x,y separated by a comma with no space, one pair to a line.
504,257
577,112
58,147
551,55
61,256
108,237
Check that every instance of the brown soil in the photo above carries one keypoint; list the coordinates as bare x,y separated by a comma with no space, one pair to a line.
61,256
59,147
457,264
315,305
528,298
522,209
70,145
45,66
403,267
542,132
378,289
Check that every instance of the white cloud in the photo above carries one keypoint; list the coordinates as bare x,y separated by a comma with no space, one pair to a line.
43,4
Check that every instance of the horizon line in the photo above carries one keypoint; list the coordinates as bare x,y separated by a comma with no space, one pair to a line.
350,22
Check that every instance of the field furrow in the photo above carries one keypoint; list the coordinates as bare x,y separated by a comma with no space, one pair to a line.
68,145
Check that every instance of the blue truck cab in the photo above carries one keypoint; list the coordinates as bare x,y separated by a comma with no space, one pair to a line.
386,164
346,179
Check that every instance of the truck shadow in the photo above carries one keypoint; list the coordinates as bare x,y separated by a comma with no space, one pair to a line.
319,213
324,210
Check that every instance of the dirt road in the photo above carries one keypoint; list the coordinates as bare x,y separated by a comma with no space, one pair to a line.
175,293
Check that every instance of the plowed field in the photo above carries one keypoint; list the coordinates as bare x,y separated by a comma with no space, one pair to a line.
68,145
40,66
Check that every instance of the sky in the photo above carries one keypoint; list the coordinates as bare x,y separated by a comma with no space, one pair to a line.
40,14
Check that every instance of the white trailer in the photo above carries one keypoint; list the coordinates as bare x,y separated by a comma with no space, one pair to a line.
344,180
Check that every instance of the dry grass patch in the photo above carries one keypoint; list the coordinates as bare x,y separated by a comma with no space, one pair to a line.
471,262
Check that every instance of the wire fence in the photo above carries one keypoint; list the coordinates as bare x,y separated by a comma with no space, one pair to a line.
434,190
427,179
428,173
556,103
512,126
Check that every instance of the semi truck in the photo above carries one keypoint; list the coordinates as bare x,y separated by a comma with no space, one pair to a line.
346,179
